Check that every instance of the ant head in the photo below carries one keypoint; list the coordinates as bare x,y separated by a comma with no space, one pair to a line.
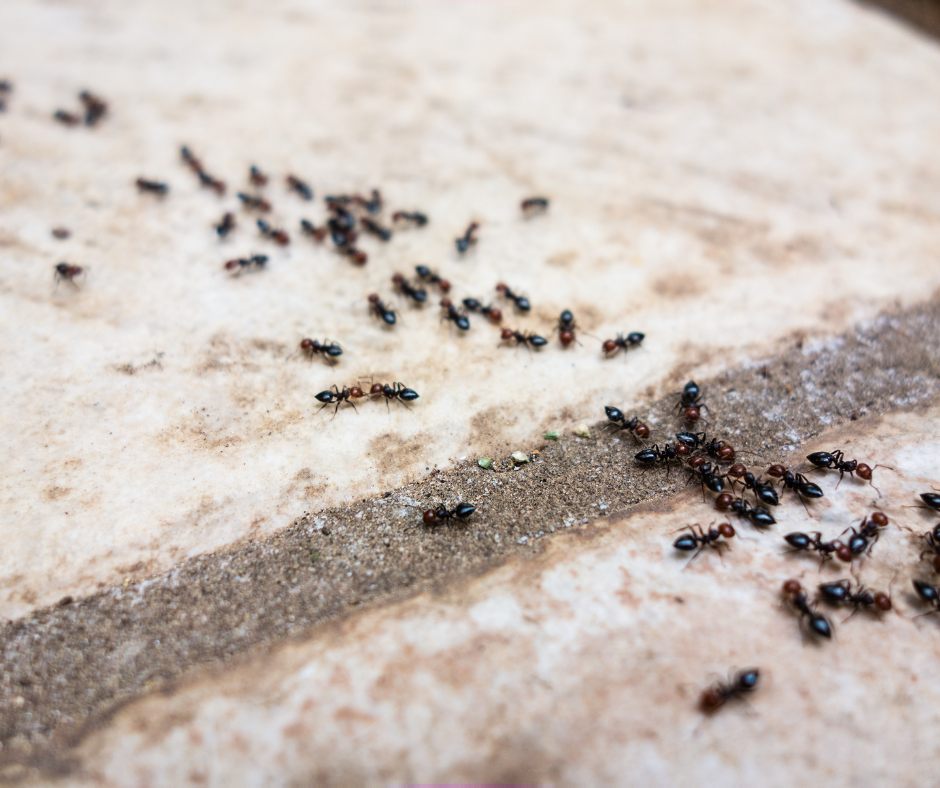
397,279
610,346
691,414
843,552
306,344
724,501
374,298
446,303
726,452
506,333
879,518
726,530
566,317
882,601
695,463
377,388
501,288
863,471
566,337
777,471
792,587
737,471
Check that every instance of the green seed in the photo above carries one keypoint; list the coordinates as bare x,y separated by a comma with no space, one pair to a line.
519,457
484,462
582,431
551,436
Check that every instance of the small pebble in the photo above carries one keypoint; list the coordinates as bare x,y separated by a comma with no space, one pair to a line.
582,431
551,436
484,462
520,457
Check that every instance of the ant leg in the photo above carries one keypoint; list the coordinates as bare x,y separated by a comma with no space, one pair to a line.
692,558
804,504
850,615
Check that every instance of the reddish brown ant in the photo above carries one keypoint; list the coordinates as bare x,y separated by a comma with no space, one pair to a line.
521,302
68,272
487,310
317,233
863,540
242,264
403,286
636,427
382,310
335,395
836,461
621,342
719,693
817,623
95,107
154,187
252,203
396,391
303,189
376,229
256,177
533,206
66,118
801,542
410,217
690,404
566,328
454,315
310,347
698,539
758,516
432,278
441,513
468,239
840,593
523,338
278,236
226,226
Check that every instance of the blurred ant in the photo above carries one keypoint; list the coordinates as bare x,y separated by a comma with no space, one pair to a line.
534,206
242,264
566,328
213,183
66,118
621,342
335,395
95,107
409,217
61,233
758,516
191,161
310,347
817,623
796,482
932,538
523,338
698,539
308,228
442,513
719,693
488,310
278,236
355,255
636,427
376,229
68,272
863,540
404,287
836,461
432,278
154,187
928,594
456,316
840,593
521,302
801,542
226,226
303,189
396,391
690,404
468,239
253,203
256,177
373,205
382,310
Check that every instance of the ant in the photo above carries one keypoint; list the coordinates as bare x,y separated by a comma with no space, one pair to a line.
253,203
656,456
932,538
372,226
621,342
154,187
490,311
310,347
714,448
698,539
929,594
416,294
61,233
355,255
758,516
66,118
521,302
382,310
800,541
719,693
523,338
256,177
432,278
95,107
836,461
818,623
840,593
763,491
68,272
566,328
699,466
534,206
213,183
335,395
932,501
278,236
297,185
243,264
457,317
373,205
397,391
226,226
441,513
409,217
869,530
636,427
308,228
690,403
796,482
467,239
191,161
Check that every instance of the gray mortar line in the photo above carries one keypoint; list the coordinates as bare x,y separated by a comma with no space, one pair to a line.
66,668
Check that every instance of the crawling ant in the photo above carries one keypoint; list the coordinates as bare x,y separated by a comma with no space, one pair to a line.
68,272
758,516
382,310
441,513
467,239
932,538
154,187
702,469
278,236
253,203
373,205
61,233
796,482
817,623
656,456
621,342
800,542
533,206
404,287
566,328
396,391
190,160
863,540
521,302
432,278
698,539
487,310
240,264
376,229
95,107
523,338
456,316
66,118
840,593
932,501
310,347
303,189
226,226
636,427
836,461
213,183
929,594
763,491
355,255
409,217
714,448
308,228
256,177
719,693
335,395
341,219
690,404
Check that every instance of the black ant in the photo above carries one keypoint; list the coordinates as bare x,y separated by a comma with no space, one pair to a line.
278,236
256,177
404,287
521,302
840,593
763,491
932,501
656,456
719,693
533,206
226,226
154,187
432,278
382,310
698,539
253,203
457,317
523,338
68,272
373,205
355,255
863,540
758,516
621,342
690,404
467,239
932,538
441,513
636,427
410,217
241,264
66,118
191,161
204,178
335,395
308,228
310,347
703,470
818,624
396,391
566,328
836,461
929,594
796,482
487,310
95,107
714,448
303,189
800,542
376,229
